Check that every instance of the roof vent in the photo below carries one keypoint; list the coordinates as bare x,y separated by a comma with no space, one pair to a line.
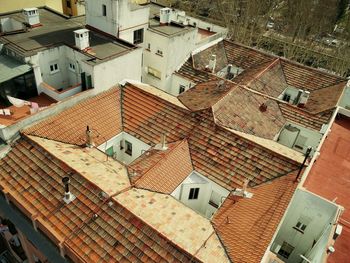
68,196
212,63
263,107
162,146
89,140
165,16
82,39
31,16
304,97
243,192
229,73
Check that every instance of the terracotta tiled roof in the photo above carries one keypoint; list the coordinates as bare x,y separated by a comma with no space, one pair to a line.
303,77
101,113
324,99
304,118
201,59
195,75
246,226
162,170
245,57
205,95
249,112
148,117
91,228
217,153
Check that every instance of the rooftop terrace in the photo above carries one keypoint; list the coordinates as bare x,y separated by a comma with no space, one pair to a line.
58,30
330,178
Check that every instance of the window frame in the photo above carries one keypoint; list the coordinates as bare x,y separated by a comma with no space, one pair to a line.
128,148
54,68
68,3
283,252
194,193
139,39
71,66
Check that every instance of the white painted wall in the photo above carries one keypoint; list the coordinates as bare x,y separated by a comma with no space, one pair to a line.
8,24
206,187
138,147
108,74
345,99
62,55
177,81
321,213
121,19
288,139
175,50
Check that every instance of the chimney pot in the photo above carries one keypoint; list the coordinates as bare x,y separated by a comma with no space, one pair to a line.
68,197
89,139
163,142
81,37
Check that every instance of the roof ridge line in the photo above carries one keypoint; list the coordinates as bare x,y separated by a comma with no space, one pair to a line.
155,230
264,70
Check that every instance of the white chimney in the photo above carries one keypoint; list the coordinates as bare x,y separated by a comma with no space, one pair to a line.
162,146
165,16
89,139
31,16
212,63
304,98
82,39
68,196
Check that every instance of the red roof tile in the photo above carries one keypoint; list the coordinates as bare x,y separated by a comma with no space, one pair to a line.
247,225
217,153
162,170
101,113
92,229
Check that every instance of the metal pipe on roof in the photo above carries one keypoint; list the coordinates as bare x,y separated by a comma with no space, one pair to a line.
307,154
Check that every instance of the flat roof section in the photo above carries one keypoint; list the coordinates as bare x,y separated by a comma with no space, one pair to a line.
58,30
168,30
330,178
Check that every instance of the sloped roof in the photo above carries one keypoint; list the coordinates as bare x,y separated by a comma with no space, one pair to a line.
179,223
249,112
219,154
308,78
101,113
324,99
205,95
162,170
243,56
201,59
247,225
188,71
31,177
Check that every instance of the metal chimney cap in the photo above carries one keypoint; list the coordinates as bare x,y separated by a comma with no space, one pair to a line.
65,180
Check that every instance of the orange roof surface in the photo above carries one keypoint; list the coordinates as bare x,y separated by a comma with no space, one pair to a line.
329,177
101,113
246,225
268,75
217,153
91,227
162,170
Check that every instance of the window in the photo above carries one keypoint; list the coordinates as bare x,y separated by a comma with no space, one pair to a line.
128,149
68,4
155,73
54,68
182,89
138,36
300,227
300,142
71,67
286,97
193,193
285,250
104,10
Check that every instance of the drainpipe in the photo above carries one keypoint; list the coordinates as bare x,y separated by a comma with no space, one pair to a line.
307,154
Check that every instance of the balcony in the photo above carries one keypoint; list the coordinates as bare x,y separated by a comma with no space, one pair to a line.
60,94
